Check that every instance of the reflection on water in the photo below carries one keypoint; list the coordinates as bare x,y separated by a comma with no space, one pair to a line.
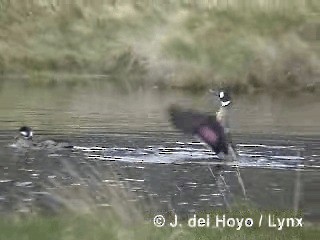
124,140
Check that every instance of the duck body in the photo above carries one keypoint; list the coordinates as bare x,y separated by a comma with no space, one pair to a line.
212,129
51,144
25,140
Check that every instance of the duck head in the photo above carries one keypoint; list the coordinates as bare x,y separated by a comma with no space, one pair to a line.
223,95
26,133
224,98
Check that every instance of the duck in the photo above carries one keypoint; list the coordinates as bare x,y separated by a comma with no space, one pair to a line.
211,129
25,140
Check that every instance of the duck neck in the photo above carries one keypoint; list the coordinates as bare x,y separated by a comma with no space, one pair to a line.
223,116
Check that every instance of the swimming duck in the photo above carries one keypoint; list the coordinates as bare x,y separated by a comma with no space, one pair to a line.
211,129
25,140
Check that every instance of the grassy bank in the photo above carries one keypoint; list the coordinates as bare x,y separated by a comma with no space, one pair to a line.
104,226
80,217
189,45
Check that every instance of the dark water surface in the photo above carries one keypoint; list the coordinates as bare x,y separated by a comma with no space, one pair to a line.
123,140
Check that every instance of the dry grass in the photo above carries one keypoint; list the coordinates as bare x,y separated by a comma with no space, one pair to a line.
248,45
80,212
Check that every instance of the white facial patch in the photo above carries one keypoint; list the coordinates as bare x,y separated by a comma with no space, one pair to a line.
225,103
24,133
221,94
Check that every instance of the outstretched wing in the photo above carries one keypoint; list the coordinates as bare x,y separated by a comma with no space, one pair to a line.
187,121
206,127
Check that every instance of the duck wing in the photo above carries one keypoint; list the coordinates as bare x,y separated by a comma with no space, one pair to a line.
205,126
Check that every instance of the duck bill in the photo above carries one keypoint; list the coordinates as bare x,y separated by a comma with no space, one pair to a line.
214,92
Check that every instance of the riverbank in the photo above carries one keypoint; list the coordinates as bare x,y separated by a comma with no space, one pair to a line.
109,226
248,47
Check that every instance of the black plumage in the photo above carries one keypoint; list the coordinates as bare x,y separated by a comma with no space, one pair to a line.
204,126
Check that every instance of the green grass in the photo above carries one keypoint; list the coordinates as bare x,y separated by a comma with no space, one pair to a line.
104,225
187,45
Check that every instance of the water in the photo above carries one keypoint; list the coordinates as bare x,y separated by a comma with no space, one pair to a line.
124,141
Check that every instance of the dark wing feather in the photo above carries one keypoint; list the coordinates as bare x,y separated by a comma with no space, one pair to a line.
186,120
206,127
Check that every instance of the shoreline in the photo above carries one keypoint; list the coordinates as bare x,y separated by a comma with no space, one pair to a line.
71,79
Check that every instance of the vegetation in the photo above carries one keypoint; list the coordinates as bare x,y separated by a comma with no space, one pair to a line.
80,212
180,44
108,226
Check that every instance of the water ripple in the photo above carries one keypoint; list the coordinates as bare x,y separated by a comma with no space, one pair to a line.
250,155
